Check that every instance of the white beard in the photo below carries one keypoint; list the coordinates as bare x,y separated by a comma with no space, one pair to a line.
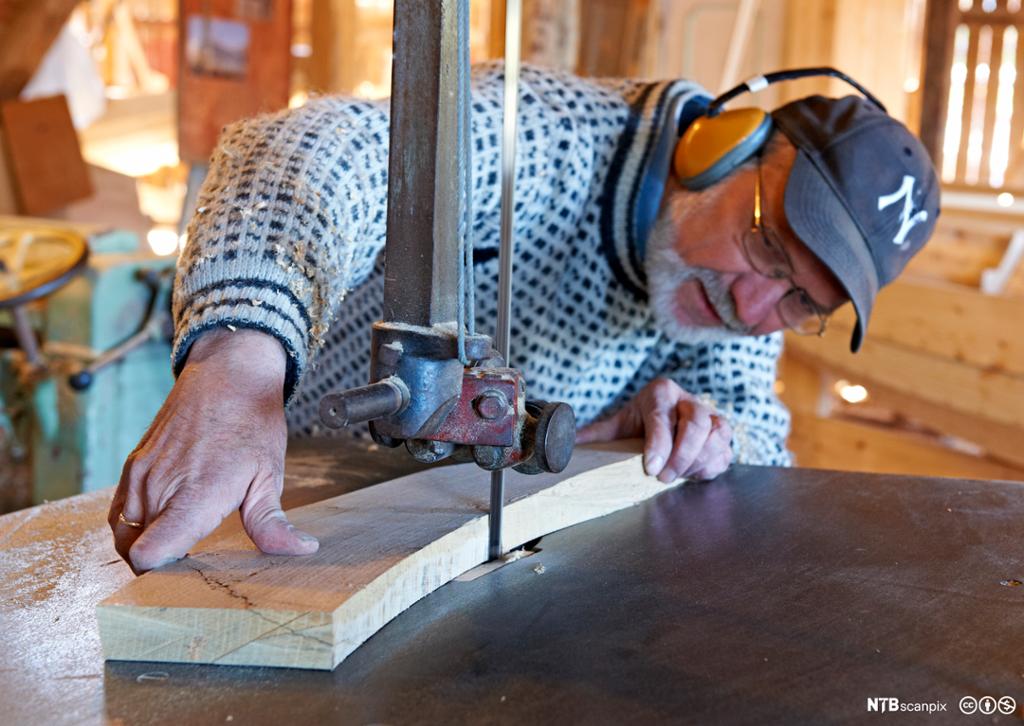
666,271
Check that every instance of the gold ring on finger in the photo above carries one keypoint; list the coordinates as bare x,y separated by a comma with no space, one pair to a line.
133,525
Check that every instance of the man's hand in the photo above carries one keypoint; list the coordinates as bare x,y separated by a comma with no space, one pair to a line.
217,444
683,437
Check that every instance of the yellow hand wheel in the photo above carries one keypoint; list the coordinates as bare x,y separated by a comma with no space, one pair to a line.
36,261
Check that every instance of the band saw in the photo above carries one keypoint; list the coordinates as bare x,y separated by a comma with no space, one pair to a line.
436,384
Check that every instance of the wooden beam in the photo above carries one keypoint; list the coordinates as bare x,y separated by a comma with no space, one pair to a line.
338,59
612,37
28,30
982,394
496,29
381,549
551,33
808,40
1001,440
940,17
948,321
854,446
961,249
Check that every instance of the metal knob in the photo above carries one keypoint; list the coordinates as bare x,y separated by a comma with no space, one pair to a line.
387,397
81,380
555,436
552,427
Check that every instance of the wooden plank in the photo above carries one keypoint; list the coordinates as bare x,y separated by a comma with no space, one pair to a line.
880,25
333,33
1015,167
604,53
940,22
968,107
381,549
853,446
964,244
551,33
989,221
977,392
496,29
957,260
27,30
999,439
980,12
947,321
991,96
808,39
46,161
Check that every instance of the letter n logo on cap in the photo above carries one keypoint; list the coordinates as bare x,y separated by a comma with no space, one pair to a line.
907,216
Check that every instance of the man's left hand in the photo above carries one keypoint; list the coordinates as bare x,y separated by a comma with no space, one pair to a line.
682,435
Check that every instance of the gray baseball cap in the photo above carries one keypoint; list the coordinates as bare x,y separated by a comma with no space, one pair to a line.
862,194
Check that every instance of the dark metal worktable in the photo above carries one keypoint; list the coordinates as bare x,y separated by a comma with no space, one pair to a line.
767,596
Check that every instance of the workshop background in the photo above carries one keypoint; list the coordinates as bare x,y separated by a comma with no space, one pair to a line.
109,110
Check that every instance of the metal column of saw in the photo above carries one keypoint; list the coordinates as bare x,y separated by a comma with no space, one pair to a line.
422,392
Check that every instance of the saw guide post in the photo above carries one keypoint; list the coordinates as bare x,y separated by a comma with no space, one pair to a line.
381,549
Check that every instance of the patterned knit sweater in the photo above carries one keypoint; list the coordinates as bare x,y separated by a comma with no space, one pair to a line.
289,234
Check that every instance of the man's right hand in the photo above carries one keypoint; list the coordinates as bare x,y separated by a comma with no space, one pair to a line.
216,445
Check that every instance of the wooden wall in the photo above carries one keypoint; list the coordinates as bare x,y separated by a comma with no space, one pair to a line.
691,39
352,42
943,364
877,42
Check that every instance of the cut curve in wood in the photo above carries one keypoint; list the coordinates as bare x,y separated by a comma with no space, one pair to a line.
381,549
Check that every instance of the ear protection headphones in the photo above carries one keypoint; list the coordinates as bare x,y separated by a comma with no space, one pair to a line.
718,142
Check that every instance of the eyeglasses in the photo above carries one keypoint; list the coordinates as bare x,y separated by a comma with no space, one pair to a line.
768,257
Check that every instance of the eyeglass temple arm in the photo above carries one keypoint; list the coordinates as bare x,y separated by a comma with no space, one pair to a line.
757,196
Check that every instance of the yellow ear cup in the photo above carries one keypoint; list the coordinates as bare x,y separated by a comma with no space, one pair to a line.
713,146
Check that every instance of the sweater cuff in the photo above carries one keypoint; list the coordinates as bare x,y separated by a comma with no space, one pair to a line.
266,318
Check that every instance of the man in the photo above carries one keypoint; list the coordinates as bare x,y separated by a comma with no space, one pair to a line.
661,324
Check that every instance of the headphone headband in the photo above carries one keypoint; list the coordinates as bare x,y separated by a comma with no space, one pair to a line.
758,83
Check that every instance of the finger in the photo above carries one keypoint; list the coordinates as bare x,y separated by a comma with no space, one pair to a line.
658,426
125,533
719,441
116,503
721,426
691,435
124,539
127,503
715,465
120,494
267,525
716,454
713,468
174,531
608,429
